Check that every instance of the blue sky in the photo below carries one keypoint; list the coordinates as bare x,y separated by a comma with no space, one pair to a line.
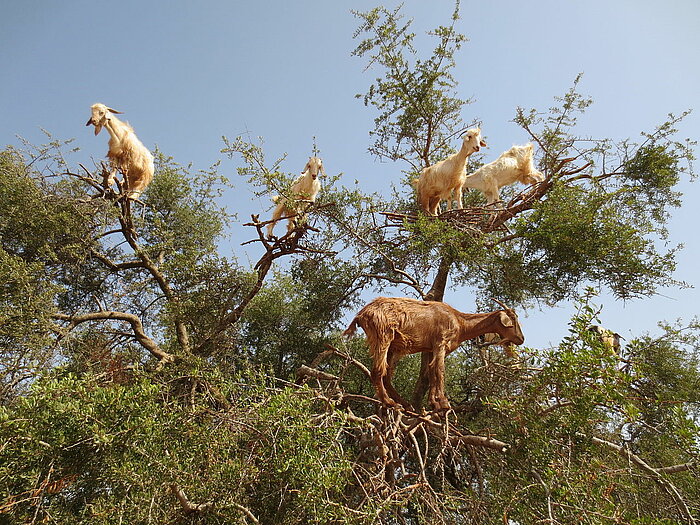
186,73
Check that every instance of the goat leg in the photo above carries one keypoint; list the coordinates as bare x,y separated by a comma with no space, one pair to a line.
437,396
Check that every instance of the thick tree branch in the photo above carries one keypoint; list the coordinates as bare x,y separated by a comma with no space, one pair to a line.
437,291
186,504
133,320
677,468
161,281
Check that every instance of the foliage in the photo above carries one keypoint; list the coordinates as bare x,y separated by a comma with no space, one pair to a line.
416,98
86,449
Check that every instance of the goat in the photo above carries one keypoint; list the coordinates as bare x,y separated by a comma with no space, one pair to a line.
396,327
437,182
514,165
610,339
304,189
126,152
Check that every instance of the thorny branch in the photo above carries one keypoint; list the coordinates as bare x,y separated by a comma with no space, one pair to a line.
653,473
275,248
400,451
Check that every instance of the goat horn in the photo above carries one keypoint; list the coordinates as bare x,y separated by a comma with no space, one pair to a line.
499,302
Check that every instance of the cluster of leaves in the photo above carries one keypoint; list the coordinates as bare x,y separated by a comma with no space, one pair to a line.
416,98
95,448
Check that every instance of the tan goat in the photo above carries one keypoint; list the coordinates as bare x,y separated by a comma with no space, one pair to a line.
437,182
396,327
126,152
610,339
305,188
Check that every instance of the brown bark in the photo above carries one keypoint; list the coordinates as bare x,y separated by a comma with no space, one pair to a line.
437,291
136,326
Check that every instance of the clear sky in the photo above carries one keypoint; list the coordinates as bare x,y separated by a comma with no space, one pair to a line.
186,73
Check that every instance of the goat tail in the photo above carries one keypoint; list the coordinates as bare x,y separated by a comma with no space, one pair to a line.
350,330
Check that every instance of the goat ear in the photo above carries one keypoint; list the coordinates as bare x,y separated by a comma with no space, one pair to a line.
505,319
98,128
114,111
482,143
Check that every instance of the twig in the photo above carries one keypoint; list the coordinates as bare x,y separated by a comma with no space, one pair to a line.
652,472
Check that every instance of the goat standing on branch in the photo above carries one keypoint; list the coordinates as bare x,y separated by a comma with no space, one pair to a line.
304,189
610,339
514,165
126,152
396,327
437,182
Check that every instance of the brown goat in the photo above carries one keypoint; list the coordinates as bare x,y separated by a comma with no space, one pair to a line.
396,327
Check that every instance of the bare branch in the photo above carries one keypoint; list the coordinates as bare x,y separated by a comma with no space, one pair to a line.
305,371
186,504
677,468
652,472
133,320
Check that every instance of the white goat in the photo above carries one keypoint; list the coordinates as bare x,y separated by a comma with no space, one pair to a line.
514,165
437,182
304,189
126,152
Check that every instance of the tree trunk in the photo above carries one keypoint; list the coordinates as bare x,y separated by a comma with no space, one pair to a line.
437,292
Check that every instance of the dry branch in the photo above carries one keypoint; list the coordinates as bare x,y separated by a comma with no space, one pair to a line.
305,371
653,474
133,320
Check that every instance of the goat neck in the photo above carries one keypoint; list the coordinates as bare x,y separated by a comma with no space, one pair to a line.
474,325
116,128
463,153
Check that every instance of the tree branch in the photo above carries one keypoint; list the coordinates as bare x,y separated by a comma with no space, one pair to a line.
152,268
133,320
652,472
116,266
186,504
285,245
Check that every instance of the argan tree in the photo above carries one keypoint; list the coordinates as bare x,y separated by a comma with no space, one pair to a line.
147,378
